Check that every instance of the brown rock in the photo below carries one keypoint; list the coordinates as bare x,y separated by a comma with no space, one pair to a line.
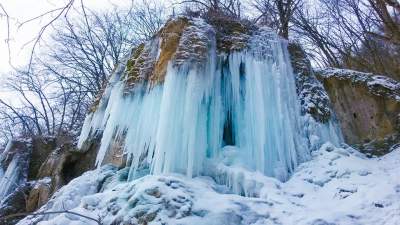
170,36
41,149
39,195
65,163
367,107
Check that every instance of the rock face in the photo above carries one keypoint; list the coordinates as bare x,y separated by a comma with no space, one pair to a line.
313,97
367,107
32,170
148,62
41,148
39,195
65,163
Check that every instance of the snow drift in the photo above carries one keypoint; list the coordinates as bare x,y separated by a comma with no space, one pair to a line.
337,186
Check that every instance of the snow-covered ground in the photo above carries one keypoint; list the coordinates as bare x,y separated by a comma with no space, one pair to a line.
337,186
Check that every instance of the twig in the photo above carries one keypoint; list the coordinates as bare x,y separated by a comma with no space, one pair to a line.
8,32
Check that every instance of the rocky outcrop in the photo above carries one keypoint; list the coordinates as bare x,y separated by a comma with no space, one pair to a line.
32,170
186,40
367,107
41,149
149,64
182,40
65,163
313,97
231,35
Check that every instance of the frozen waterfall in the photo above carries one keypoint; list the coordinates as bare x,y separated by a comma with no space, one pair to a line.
239,109
11,176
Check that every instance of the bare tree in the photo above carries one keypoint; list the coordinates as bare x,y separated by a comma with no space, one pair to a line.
58,85
36,111
355,34
211,8
276,13
84,51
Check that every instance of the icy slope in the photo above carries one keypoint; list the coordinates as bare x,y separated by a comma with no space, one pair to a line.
337,186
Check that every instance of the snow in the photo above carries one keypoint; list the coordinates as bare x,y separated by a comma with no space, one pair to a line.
337,186
70,196
377,84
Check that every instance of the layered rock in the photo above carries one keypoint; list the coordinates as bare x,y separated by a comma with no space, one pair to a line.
367,107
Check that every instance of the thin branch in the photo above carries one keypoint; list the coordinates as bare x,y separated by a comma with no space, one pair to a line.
8,32
49,213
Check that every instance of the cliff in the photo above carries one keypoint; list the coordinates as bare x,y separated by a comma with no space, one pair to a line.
367,107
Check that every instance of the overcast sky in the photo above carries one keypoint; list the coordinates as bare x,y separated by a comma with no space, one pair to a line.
22,10
21,37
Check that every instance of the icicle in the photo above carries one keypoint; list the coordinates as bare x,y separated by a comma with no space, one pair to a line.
9,180
245,99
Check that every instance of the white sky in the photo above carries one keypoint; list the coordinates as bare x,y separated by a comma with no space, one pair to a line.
22,10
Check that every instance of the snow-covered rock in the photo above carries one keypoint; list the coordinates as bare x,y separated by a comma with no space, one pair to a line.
367,106
377,84
313,97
